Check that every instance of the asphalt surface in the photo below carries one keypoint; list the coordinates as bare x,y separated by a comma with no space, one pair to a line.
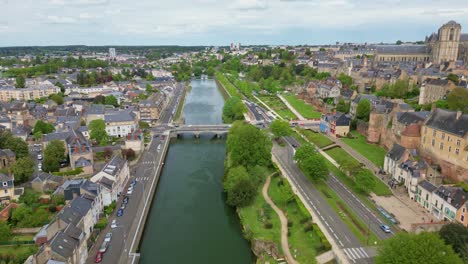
123,237
336,227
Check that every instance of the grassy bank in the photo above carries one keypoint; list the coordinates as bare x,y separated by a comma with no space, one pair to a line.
306,240
227,85
180,107
278,106
306,110
318,139
374,153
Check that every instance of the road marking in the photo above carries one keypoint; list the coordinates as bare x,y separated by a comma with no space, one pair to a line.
363,252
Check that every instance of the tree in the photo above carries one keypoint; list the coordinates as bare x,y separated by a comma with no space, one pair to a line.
233,110
43,127
427,248
342,106
346,80
57,98
350,167
17,145
143,125
128,154
365,181
20,81
53,154
5,231
363,110
30,198
111,100
399,42
23,169
311,163
280,128
457,100
248,146
240,189
453,77
456,235
98,131
100,99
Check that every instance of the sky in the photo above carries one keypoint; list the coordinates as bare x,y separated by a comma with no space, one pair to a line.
221,22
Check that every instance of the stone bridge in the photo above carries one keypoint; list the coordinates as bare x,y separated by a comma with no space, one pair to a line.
197,130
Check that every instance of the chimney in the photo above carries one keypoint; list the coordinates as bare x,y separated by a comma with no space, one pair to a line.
459,114
433,108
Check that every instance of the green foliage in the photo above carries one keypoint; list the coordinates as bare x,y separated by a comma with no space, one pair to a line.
24,216
400,89
399,42
30,198
426,248
453,77
457,100
17,145
346,80
57,98
98,131
233,110
23,169
143,125
68,172
248,146
363,110
311,163
20,81
182,71
280,128
240,188
43,127
111,100
365,181
53,154
5,231
456,235
100,99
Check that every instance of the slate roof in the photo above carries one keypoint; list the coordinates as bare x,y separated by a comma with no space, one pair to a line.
403,49
120,116
7,153
412,117
396,152
438,82
96,109
427,186
82,162
456,194
464,37
447,121
81,205
63,245
114,166
57,136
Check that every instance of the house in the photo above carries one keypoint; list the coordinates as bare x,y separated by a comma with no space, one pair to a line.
336,124
135,141
94,112
462,214
44,182
150,110
7,158
433,90
120,123
409,174
80,152
445,142
424,193
7,187
67,246
394,157
354,103
112,178
446,201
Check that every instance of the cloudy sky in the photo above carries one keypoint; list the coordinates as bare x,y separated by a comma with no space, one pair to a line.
220,22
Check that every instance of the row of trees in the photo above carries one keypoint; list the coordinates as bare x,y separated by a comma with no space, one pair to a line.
248,157
233,110
23,169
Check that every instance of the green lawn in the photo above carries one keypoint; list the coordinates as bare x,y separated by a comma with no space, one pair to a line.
276,104
254,217
304,245
17,253
306,110
227,85
374,153
318,139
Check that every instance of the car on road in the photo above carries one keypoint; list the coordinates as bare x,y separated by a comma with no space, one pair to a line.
159,147
114,224
125,200
119,212
130,190
39,156
385,228
122,206
108,237
133,183
98,257
104,246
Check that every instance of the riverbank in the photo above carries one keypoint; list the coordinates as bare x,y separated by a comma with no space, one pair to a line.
178,118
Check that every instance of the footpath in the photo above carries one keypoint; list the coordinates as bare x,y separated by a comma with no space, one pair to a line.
299,116
284,223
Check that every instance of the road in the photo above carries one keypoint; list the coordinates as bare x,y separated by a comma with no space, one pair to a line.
145,173
352,247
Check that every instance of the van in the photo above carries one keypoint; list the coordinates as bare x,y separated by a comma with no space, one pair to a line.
104,246
159,147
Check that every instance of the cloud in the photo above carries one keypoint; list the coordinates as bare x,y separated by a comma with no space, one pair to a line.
87,16
78,2
112,11
445,12
246,5
61,20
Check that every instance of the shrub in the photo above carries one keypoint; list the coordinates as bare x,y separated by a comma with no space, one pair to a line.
308,227
290,223
268,225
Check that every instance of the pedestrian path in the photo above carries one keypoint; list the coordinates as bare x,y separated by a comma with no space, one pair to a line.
284,223
356,253
299,116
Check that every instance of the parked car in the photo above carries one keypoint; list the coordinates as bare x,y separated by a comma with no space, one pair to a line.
114,224
134,182
130,190
104,246
98,257
108,237
39,157
122,206
119,212
125,200
385,228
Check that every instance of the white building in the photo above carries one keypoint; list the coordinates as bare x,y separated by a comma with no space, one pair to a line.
112,53
121,123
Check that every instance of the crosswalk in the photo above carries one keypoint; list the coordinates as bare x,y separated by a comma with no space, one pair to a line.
142,178
356,253
148,162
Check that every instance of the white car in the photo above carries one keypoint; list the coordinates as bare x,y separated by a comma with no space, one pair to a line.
114,224
108,237
39,157
130,190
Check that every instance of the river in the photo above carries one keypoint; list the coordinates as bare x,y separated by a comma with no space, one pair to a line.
189,221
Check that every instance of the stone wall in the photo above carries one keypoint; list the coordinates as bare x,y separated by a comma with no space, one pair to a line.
362,127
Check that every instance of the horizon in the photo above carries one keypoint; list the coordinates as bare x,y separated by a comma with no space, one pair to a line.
219,23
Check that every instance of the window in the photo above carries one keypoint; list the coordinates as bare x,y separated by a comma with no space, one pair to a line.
452,33
450,148
6,191
427,196
458,142
462,218
443,135
441,146
457,151
433,142
424,140
425,130
434,133
448,138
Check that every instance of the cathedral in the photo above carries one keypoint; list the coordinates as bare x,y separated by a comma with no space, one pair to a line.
447,45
